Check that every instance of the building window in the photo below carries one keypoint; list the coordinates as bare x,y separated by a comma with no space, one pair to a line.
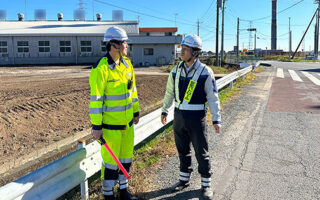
148,51
65,46
103,47
85,46
168,34
23,46
3,47
44,46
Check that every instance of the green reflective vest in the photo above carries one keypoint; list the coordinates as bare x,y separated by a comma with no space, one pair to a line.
114,98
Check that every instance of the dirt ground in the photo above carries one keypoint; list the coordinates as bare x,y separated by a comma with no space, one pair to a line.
41,106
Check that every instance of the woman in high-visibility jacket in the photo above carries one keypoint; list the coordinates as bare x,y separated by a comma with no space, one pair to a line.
114,108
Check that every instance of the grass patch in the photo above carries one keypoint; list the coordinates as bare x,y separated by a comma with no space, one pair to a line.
286,59
168,68
148,159
259,69
226,94
302,60
220,70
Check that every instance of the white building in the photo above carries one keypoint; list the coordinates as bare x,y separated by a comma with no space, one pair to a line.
79,42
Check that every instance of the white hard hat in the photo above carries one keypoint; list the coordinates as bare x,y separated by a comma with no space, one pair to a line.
192,41
115,33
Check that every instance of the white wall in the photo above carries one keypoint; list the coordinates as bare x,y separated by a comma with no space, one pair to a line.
161,53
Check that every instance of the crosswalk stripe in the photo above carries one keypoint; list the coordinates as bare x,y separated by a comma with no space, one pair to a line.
280,73
294,75
312,78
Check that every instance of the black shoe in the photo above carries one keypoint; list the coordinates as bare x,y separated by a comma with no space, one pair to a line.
207,192
125,195
107,197
180,186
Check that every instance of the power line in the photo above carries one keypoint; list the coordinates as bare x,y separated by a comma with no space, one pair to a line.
259,23
208,9
145,14
270,36
262,18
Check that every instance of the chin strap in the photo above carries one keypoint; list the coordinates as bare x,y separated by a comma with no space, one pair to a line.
118,49
193,54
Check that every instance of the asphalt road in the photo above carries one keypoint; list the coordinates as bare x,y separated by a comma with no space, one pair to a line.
269,146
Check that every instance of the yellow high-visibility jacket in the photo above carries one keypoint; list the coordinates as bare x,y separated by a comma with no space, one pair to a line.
114,98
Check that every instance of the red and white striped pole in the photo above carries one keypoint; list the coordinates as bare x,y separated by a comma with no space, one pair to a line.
115,158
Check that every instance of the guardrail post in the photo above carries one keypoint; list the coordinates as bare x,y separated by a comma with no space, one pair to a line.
231,84
83,185
243,77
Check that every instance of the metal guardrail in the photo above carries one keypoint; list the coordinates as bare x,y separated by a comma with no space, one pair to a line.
60,176
228,79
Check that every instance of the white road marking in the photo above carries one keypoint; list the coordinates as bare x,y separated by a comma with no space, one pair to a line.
312,78
294,76
280,73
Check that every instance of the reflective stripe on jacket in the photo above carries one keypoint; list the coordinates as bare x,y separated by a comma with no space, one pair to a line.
114,98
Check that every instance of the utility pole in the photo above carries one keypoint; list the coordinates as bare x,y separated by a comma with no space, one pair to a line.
217,35
303,45
274,25
304,34
289,39
238,21
316,37
222,35
198,25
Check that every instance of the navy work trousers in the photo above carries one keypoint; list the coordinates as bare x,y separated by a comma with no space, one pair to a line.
187,132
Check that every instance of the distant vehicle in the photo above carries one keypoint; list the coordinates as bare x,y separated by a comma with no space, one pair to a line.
249,53
204,54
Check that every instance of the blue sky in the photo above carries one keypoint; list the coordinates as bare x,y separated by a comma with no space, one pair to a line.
186,12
